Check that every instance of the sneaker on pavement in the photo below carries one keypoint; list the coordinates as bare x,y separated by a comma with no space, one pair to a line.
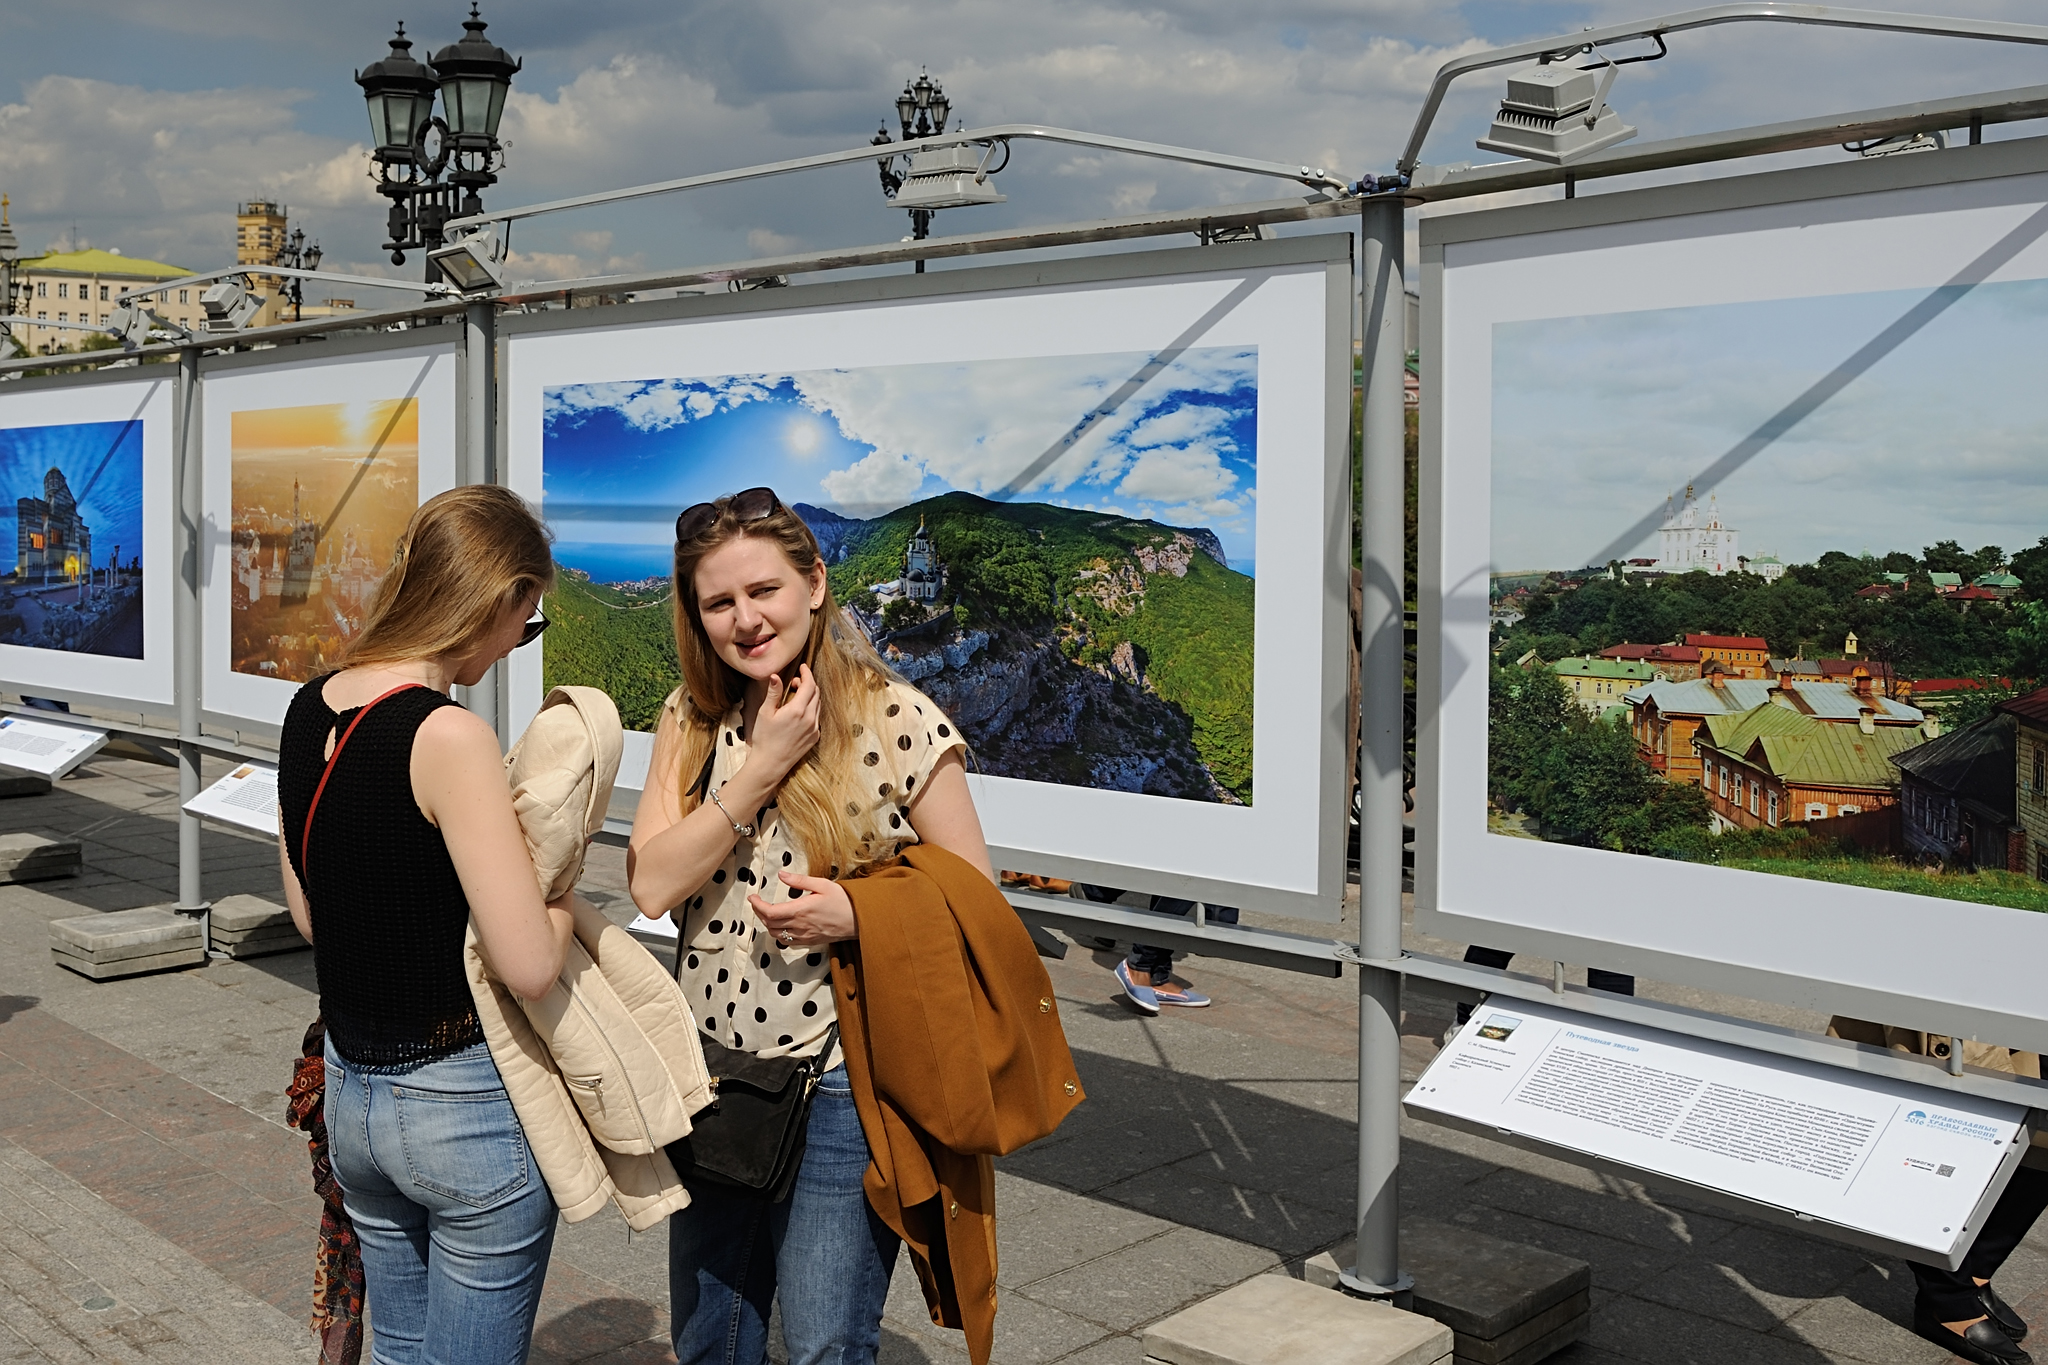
1142,997
1186,996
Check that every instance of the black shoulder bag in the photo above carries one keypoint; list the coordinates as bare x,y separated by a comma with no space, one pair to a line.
751,1137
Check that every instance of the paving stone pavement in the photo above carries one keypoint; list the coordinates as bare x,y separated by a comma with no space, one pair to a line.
144,1163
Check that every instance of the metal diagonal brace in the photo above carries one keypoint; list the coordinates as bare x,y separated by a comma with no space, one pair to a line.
1828,15
1313,176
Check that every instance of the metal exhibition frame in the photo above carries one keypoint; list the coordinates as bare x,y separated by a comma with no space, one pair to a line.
1019,313
231,710
1383,967
1804,959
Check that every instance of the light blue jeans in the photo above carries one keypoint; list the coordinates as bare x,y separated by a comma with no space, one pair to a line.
455,1221
821,1252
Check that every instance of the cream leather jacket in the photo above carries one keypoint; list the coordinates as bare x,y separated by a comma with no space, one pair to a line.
606,1069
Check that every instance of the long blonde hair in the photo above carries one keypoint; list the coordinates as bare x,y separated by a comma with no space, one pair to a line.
465,556
822,795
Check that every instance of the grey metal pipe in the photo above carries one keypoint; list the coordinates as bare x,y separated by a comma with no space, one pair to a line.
1377,1268
1829,15
187,465
479,340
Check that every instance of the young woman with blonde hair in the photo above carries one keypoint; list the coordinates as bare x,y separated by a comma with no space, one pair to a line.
789,756
397,830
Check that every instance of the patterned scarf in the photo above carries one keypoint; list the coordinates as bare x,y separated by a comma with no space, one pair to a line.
337,1260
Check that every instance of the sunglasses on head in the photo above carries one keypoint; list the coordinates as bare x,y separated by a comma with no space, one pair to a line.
750,504
533,629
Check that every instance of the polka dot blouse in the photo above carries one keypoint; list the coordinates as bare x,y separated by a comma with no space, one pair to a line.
747,990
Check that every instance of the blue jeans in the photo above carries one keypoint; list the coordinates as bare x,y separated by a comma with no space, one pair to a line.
455,1221
822,1251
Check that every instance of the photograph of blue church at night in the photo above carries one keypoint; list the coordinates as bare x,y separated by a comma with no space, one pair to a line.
75,581
1070,575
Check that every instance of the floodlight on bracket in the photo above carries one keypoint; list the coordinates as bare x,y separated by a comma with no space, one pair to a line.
230,303
1557,113
474,262
1548,50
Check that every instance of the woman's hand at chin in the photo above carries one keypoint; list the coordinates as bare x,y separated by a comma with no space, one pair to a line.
787,726
817,912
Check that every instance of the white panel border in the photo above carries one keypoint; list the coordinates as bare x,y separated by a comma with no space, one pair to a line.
1872,953
1275,854
145,682
425,372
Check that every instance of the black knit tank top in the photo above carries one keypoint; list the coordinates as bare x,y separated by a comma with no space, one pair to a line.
388,912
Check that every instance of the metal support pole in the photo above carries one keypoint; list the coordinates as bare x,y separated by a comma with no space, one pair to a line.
187,467
479,342
1377,1268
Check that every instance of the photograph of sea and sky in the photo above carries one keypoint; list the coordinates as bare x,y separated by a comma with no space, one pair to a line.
74,494
1069,575
320,494
1827,661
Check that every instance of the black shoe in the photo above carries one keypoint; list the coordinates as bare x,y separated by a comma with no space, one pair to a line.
2009,1322
1982,1343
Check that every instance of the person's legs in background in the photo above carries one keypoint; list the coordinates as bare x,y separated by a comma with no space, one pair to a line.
1963,1298
1146,973
721,1278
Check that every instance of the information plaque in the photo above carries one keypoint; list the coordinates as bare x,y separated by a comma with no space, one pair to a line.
1877,1162
246,797
37,746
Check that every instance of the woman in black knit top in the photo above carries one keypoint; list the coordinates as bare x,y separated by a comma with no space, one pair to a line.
413,836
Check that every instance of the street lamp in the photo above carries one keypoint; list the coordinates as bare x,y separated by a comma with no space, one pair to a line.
415,147
934,179
295,252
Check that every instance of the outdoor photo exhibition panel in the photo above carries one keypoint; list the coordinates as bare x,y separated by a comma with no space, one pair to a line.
1698,466
315,459
86,507
1046,492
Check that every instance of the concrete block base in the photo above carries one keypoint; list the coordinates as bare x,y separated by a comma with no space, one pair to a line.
126,942
23,784
34,858
249,926
1508,1304
1275,1320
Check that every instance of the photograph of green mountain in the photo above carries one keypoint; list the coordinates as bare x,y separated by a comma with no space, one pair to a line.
1059,550
1804,668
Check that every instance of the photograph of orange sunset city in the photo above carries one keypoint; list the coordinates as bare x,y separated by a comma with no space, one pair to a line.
320,495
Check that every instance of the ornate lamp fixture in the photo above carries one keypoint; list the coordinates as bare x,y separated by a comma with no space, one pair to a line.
416,148
934,179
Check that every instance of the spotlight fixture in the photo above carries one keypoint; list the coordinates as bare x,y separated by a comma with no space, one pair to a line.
1556,113
948,178
229,305
473,263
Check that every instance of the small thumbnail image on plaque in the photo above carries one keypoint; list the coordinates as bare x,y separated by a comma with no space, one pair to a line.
1499,1027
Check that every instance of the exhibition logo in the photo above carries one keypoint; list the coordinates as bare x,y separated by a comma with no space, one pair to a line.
1950,1123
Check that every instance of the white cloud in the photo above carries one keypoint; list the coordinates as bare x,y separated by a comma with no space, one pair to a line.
874,484
1178,474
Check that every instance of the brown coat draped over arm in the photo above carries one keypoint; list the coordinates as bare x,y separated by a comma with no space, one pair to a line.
955,1054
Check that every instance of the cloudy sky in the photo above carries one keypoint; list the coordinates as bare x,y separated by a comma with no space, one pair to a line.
619,460
140,126
1940,440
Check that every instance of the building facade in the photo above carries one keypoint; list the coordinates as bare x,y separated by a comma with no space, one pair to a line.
82,286
1771,766
1692,539
1957,794
2030,777
1674,663
52,542
1599,685
1746,656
